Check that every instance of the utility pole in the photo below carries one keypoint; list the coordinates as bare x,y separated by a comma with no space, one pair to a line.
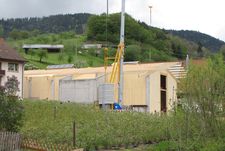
76,42
107,14
150,7
106,48
122,35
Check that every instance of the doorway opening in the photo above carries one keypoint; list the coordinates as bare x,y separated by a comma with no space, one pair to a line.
163,93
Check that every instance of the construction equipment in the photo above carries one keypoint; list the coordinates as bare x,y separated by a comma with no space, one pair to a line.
116,76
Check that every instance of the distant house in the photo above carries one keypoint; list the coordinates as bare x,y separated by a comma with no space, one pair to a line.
92,46
11,64
49,48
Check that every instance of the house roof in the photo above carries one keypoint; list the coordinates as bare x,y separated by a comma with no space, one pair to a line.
8,53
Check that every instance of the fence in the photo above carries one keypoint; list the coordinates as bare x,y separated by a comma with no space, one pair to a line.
44,146
10,141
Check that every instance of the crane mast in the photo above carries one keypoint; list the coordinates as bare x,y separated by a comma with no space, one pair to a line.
122,36
116,76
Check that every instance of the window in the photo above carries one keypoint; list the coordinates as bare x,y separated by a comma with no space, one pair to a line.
163,82
13,67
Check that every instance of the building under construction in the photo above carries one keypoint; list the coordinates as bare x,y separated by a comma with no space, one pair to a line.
147,87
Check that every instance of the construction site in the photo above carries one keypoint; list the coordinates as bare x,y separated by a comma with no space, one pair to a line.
149,87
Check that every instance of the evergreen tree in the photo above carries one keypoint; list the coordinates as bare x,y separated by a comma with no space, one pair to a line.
199,50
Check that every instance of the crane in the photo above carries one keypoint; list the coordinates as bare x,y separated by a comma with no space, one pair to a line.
116,76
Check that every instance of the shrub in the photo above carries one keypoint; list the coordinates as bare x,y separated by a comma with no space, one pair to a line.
11,112
11,109
12,86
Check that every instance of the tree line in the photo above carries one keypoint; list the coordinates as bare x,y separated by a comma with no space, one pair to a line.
207,41
149,43
51,24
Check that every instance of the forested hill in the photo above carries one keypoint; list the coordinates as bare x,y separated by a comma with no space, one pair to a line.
51,24
78,23
207,41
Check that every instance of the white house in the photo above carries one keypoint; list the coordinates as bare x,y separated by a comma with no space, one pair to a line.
11,64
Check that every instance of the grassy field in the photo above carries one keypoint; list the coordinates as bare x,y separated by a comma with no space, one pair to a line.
84,59
72,47
96,129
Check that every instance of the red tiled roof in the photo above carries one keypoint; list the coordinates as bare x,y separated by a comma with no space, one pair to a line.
8,53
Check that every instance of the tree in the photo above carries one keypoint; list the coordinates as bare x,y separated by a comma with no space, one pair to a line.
70,58
132,53
18,34
11,109
61,57
222,51
32,53
203,95
42,54
1,31
199,50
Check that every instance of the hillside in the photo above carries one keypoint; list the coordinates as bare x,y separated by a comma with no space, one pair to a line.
151,44
143,43
51,24
207,41
78,23
72,52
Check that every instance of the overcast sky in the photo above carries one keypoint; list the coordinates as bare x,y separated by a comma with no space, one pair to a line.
207,16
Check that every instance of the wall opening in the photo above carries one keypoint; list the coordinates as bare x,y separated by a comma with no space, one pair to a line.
163,93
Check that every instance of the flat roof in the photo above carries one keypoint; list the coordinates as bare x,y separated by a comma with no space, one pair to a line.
60,66
42,46
92,70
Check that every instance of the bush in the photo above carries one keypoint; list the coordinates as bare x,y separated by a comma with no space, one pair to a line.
202,114
132,53
12,86
11,112
11,109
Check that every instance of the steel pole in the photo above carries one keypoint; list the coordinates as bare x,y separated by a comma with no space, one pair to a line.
150,7
122,36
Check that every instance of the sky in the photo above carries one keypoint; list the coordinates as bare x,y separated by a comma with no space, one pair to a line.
205,16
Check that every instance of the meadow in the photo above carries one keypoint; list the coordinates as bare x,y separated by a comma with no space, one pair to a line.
71,54
51,121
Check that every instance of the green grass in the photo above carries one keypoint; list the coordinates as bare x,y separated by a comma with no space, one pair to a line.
52,121
95,128
86,59
70,43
